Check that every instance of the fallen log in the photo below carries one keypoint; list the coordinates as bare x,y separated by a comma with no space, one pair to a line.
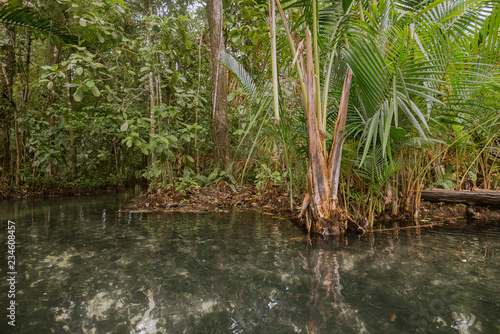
484,197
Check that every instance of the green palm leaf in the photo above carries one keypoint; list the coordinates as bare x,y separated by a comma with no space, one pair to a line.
243,76
25,17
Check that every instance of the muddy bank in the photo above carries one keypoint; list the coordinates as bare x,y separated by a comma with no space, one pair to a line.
218,197
451,212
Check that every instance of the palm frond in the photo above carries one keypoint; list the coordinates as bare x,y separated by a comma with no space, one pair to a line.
25,17
243,76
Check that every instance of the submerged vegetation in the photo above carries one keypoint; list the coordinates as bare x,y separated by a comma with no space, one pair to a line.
107,92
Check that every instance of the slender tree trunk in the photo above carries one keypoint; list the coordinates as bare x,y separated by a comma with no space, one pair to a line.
18,146
196,108
74,170
9,72
5,121
117,161
25,91
338,140
274,62
159,97
151,93
220,129
151,111
51,99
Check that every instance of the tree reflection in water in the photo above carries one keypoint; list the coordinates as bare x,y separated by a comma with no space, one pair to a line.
327,308
89,267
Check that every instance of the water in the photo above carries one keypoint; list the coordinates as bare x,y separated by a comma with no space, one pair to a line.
83,266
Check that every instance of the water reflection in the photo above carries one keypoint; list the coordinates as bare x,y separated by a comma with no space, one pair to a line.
87,267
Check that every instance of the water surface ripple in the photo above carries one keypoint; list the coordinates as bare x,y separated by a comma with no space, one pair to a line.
84,266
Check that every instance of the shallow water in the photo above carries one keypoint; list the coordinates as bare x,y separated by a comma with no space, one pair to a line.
83,266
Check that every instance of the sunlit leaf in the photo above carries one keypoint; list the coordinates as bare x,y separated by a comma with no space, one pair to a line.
78,96
96,91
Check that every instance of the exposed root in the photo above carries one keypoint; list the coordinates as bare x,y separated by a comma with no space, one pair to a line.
333,224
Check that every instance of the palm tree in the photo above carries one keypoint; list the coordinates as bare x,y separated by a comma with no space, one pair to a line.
400,54
409,67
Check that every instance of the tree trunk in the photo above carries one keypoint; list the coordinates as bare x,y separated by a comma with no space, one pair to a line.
116,153
151,112
5,121
320,203
220,128
488,197
18,145
274,62
317,204
25,96
151,92
338,139
196,108
74,170
51,99
8,105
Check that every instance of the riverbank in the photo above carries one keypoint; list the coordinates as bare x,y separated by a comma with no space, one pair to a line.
217,197
224,197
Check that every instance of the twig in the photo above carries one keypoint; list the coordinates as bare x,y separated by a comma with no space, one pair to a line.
403,228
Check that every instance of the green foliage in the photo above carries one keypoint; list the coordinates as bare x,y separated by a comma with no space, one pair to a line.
184,185
95,183
219,175
266,177
169,145
12,14
446,182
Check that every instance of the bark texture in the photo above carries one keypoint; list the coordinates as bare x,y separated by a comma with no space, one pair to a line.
74,161
220,128
7,106
469,197
319,207
51,99
338,139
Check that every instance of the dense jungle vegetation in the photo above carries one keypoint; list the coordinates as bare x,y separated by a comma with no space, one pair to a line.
100,93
